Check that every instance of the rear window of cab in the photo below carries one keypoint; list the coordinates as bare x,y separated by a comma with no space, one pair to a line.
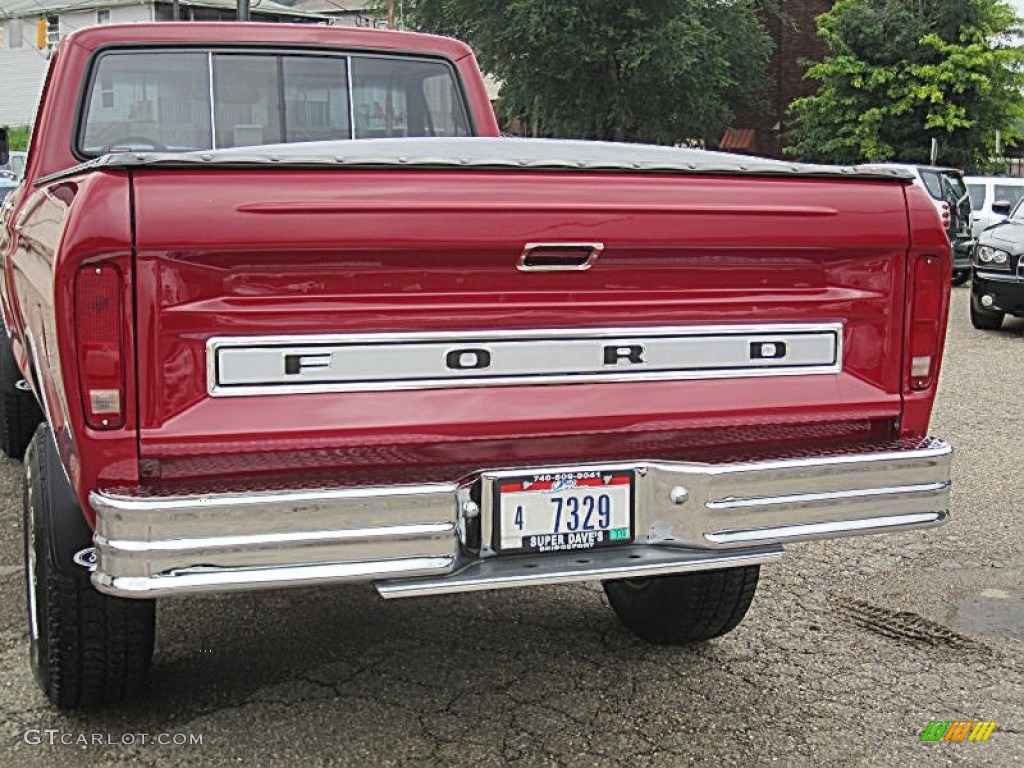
187,100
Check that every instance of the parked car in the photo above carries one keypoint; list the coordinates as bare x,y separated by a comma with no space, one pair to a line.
992,197
949,195
997,284
15,164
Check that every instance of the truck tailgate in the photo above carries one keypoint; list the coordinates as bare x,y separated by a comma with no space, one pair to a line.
357,281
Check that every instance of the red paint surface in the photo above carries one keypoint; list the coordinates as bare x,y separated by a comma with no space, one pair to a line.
233,252
332,259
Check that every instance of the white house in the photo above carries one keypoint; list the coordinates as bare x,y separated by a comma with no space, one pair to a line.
348,13
23,64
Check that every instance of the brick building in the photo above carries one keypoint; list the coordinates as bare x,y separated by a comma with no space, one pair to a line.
796,40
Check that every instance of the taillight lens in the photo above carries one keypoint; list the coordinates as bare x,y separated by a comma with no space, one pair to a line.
931,276
945,215
99,319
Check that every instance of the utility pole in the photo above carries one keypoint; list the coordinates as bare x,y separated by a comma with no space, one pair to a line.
243,10
391,14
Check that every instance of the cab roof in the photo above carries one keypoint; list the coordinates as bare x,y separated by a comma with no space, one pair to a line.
265,34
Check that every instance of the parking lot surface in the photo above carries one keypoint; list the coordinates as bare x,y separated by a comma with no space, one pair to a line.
848,652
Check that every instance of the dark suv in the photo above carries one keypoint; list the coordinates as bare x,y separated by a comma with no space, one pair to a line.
997,285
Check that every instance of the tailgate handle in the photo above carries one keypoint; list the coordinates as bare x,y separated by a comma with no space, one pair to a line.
554,257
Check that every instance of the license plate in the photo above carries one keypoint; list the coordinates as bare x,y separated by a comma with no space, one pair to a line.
564,511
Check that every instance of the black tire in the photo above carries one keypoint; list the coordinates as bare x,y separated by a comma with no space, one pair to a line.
87,648
961,277
686,608
19,412
984,320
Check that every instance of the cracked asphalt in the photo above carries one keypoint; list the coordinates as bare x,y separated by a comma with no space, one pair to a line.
849,650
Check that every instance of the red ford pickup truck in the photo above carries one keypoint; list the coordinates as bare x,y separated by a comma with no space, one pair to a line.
283,308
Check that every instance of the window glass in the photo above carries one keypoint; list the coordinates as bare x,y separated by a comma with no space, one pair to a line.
247,92
977,192
151,100
52,30
15,33
1009,192
265,99
395,97
162,100
444,105
956,183
379,92
316,98
933,184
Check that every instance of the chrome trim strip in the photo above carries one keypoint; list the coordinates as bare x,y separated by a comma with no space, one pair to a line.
685,514
198,581
593,252
998,277
114,502
351,101
305,344
392,532
810,498
624,563
829,530
213,101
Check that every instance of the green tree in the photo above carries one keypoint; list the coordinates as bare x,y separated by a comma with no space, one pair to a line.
17,138
659,71
899,74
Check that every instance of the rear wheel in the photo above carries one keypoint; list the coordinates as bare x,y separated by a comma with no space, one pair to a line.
685,608
984,320
19,411
86,648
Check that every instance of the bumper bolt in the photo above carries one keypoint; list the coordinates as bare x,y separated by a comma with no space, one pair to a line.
470,510
679,495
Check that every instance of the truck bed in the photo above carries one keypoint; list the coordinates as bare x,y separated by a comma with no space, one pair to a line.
419,251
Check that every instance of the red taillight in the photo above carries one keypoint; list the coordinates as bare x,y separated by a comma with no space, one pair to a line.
99,319
931,276
944,215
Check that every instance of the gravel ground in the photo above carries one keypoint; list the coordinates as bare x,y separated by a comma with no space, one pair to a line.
850,649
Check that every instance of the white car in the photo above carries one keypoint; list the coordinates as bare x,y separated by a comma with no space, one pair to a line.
15,164
992,197
7,184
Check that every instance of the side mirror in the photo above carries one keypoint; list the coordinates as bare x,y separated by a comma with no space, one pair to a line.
5,153
1002,207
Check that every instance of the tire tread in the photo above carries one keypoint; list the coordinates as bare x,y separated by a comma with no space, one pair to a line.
96,648
685,608
20,414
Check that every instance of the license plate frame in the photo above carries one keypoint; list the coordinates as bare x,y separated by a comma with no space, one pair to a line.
619,485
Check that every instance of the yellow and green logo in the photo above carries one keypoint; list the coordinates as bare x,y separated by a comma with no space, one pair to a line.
958,730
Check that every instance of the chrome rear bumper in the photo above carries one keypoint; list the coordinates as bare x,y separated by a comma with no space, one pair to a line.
433,538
